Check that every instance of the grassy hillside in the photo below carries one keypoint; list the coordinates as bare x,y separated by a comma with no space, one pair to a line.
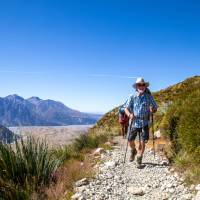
177,91
167,97
164,99
108,123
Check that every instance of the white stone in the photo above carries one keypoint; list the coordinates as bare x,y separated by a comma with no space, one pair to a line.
77,196
192,187
197,187
169,185
165,196
108,143
98,151
110,164
171,190
176,175
181,179
157,134
80,189
82,182
172,170
136,191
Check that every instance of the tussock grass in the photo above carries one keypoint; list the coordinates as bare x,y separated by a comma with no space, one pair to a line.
25,168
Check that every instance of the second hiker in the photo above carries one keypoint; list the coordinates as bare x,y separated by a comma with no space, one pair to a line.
138,108
123,120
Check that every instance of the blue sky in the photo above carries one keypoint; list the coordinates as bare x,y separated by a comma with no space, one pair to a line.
83,53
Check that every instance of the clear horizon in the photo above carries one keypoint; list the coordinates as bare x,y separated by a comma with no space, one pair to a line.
86,54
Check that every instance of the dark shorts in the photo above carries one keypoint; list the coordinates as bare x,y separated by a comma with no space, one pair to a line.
144,135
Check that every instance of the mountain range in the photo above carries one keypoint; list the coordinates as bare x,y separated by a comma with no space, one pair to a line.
17,111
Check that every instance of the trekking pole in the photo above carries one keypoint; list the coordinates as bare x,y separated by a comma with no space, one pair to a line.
152,124
129,131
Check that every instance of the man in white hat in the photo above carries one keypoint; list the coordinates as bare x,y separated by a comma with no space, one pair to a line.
138,108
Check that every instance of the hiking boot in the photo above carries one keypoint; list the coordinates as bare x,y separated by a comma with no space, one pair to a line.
133,154
139,161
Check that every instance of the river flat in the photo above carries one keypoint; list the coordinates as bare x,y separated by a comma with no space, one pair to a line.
54,135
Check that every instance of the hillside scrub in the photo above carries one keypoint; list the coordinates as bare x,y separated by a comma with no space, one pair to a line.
181,125
30,168
164,99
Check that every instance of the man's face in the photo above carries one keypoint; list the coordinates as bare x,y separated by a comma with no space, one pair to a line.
141,87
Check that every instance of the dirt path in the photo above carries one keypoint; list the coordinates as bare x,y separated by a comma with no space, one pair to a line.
116,181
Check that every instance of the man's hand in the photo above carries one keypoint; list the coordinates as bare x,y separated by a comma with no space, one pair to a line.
152,110
131,116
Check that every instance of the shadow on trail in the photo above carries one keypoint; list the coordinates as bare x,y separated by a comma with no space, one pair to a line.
153,164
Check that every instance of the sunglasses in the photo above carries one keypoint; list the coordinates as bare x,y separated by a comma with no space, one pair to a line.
141,85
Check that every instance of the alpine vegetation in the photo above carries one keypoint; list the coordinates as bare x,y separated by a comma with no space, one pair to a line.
181,125
25,167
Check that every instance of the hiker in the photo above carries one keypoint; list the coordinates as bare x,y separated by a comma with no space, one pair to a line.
123,120
138,108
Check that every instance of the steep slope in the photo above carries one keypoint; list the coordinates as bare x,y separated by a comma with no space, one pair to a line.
177,91
17,111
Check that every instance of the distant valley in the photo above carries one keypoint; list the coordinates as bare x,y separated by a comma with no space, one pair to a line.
53,135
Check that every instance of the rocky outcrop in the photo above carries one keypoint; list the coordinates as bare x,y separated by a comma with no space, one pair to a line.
6,135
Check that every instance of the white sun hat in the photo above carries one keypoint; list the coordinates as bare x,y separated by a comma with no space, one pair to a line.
140,80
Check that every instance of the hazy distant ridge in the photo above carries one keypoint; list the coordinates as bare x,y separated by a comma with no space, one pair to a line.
17,111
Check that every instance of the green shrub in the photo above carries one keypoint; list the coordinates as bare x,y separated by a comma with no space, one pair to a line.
89,141
83,142
189,124
25,167
181,125
66,153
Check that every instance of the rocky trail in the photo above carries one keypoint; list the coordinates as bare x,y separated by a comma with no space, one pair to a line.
117,181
